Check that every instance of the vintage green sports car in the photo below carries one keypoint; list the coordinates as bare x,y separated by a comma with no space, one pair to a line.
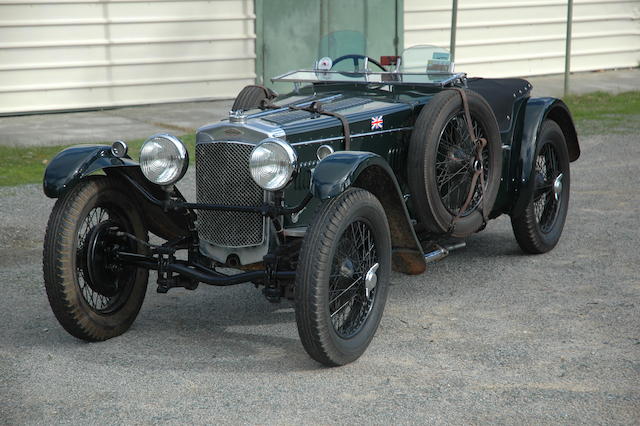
315,196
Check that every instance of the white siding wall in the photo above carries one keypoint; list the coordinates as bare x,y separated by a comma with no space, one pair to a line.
527,37
71,54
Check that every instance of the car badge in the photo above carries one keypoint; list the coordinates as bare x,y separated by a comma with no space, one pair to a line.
232,131
376,122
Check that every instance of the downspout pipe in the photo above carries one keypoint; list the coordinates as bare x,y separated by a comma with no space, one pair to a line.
454,27
567,53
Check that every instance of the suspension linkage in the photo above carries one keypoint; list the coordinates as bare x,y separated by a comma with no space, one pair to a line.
199,272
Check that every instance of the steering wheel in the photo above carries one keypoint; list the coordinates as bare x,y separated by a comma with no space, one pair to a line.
356,61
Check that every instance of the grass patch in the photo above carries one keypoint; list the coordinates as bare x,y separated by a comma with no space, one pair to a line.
600,105
21,165
600,112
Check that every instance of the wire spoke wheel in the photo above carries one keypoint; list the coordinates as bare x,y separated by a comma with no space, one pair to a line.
546,203
93,296
456,163
342,279
350,301
103,284
538,228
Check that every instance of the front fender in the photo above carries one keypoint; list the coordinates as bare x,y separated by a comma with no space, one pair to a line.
337,172
537,110
341,170
74,163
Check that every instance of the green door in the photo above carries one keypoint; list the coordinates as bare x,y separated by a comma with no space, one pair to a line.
288,31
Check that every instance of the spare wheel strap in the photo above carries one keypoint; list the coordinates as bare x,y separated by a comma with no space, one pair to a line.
316,108
480,144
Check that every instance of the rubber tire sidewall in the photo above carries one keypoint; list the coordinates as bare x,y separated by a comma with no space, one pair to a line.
59,265
526,228
423,146
314,267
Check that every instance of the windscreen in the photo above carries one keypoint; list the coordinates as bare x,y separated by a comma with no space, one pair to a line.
426,58
346,50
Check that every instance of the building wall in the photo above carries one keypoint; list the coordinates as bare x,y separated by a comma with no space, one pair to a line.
527,37
72,54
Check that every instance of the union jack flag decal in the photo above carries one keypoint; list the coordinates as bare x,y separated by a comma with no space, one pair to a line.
376,122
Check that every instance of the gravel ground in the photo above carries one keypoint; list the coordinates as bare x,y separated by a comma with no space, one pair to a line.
488,335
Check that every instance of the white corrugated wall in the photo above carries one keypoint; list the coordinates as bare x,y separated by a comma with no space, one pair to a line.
70,54
527,37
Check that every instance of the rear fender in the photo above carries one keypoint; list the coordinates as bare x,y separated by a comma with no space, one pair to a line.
537,110
76,163
342,170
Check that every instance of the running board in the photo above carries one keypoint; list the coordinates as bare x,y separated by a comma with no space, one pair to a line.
442,251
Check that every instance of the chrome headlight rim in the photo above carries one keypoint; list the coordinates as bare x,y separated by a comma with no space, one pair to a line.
292,166
182,158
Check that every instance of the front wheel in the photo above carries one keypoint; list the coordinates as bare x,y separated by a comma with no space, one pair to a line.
539,227
343,277
92,295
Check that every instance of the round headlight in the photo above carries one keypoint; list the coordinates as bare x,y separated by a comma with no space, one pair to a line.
272,163
164,159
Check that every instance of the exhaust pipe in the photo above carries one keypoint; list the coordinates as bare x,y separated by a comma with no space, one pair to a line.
442,251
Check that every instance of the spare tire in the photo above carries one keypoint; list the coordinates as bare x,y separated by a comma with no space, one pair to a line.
442,160
252,96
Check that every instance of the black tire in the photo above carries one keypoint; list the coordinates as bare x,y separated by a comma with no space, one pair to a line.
337,330
539,227
251,97
441,166
91,302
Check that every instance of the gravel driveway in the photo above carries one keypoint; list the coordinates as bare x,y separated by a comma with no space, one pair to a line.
487,335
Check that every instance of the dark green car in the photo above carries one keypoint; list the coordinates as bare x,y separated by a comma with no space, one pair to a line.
315,196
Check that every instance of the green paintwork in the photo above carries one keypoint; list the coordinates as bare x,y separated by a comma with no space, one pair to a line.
74,163
338,171
399,109
286,28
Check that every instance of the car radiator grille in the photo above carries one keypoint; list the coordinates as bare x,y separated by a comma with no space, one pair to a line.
223,177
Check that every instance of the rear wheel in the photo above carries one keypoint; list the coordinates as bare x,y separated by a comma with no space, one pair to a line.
343,277
540,226
92,296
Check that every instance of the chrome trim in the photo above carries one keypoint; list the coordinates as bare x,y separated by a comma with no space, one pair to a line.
356,135
237,116
453,77
442,251
263,129
296,232
119,149
288,149
557,186
182,152
327,148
